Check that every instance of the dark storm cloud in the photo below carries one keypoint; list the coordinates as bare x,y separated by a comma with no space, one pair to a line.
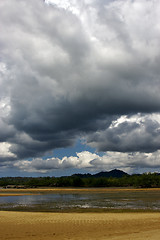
6,131
70,75
142,136
24,146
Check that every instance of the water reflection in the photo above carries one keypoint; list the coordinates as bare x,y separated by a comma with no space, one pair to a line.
110,200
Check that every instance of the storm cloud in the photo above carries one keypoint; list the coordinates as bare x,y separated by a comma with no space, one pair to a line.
78,69
129,134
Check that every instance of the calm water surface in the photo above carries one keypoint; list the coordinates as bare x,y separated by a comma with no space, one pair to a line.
89,200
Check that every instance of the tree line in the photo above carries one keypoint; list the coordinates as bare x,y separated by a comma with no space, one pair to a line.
149,180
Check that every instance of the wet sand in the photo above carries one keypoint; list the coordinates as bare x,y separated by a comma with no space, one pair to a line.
78,226
30,191
14,194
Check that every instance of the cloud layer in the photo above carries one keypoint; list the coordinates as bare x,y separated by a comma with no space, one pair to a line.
78,69
87,161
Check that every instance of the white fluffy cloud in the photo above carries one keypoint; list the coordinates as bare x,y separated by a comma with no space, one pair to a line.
82,160
5,153
93,162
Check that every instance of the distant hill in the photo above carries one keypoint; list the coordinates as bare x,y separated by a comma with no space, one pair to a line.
113,173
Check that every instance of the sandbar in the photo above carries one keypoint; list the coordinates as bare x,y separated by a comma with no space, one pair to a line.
31,191
76,226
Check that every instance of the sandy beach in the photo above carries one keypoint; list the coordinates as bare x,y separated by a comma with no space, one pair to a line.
76,226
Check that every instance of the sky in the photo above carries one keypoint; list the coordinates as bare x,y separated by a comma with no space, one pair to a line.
79,86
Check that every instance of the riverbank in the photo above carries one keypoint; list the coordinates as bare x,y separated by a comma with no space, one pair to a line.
76,226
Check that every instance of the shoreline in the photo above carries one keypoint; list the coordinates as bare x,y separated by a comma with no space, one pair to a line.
52,190
76,226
